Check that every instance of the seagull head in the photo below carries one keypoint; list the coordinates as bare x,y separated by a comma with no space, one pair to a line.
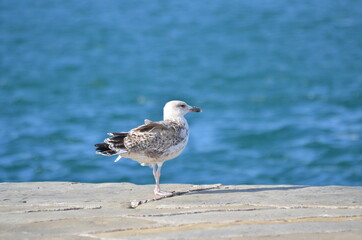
176,109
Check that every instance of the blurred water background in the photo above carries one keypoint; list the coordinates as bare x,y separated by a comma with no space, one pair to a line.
280,83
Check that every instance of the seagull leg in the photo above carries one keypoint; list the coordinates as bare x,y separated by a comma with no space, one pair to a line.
157,174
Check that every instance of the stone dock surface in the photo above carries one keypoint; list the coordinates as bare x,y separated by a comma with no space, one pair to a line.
65,210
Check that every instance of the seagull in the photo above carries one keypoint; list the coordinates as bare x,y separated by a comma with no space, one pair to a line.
152,143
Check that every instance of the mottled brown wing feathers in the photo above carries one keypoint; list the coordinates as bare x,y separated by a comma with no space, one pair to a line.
150,127
150,137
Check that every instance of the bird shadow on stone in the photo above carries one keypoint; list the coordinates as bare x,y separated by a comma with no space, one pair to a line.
213,189
222,191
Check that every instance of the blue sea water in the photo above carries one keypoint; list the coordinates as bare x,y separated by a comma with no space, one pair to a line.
279,82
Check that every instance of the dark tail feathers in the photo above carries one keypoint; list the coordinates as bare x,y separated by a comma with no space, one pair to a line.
103,148
112,144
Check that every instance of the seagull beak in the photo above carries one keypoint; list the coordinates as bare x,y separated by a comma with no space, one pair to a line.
195,109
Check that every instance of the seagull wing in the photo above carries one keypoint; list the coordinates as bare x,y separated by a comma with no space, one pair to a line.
151,138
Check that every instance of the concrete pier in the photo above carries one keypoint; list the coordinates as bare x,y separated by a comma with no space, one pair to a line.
65,210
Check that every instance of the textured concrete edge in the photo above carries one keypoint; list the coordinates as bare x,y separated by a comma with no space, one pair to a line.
70,210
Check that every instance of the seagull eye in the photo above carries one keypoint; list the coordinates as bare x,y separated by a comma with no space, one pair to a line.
182,105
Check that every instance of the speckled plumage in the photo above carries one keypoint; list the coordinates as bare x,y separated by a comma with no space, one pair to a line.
156,142
153,142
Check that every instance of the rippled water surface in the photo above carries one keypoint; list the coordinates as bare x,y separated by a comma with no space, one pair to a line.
280,83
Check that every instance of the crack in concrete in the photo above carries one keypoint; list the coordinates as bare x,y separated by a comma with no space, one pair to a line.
92,218
196,212
207,225
306,206
62,209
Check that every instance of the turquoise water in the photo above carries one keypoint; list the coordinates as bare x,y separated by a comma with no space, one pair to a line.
279,82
